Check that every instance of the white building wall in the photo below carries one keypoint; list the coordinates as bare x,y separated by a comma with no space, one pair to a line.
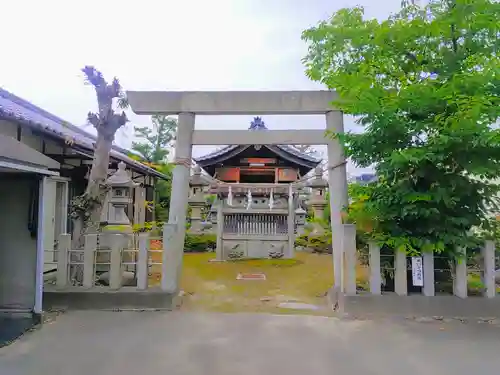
17,246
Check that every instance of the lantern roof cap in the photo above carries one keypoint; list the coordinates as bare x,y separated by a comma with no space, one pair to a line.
318,181
300,210
121,178
196,179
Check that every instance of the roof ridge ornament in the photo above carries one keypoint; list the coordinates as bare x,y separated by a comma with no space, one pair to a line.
257,124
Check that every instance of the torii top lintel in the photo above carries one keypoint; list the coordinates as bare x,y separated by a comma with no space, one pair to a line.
232,102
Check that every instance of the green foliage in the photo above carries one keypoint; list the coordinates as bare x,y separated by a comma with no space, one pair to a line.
318,243
156,141
83,205
153,227
198,243
163,189
302,240
194,243
424,84
153,148
324,223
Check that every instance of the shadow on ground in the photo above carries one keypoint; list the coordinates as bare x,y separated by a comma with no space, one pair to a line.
12,328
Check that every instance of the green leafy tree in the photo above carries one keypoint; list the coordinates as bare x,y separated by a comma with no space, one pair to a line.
154,146
425,85
157,140
163,189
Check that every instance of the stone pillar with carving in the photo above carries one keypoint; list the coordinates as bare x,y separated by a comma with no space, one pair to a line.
317,200
196,200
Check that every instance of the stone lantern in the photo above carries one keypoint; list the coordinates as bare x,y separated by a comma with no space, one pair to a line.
196,199
119,198
317,200
121,185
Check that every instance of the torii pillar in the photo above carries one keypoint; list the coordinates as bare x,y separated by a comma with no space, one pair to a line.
339,198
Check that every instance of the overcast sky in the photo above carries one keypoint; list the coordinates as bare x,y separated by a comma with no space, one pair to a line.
163,45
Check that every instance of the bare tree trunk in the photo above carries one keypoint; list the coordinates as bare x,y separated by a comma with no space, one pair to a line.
89,220
86,209
95,194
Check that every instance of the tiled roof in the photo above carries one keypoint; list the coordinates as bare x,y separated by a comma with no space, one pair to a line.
19,110
258,125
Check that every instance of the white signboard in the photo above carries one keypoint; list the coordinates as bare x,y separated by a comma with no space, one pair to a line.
417,271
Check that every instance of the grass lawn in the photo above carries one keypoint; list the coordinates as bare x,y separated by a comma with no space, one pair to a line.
212,286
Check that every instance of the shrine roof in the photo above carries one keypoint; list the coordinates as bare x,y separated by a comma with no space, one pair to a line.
286,151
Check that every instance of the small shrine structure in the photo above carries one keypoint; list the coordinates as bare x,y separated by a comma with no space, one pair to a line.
256,211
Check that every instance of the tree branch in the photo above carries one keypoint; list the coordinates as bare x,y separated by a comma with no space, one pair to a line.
93,76
93,119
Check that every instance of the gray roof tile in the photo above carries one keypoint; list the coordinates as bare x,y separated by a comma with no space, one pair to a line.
20,110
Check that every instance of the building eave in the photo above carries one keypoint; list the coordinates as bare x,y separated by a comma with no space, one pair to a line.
38,126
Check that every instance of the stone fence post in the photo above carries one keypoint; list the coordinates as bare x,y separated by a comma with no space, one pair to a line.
142,261
488,255
375,274
460,275
89,250
63,248
400,273
169,265
350,253
115,269
429,287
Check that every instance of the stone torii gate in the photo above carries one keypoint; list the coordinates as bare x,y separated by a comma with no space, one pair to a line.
187,104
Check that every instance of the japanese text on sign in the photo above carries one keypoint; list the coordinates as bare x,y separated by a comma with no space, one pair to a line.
417,271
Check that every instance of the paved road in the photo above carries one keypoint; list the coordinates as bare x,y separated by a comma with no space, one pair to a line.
180,343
